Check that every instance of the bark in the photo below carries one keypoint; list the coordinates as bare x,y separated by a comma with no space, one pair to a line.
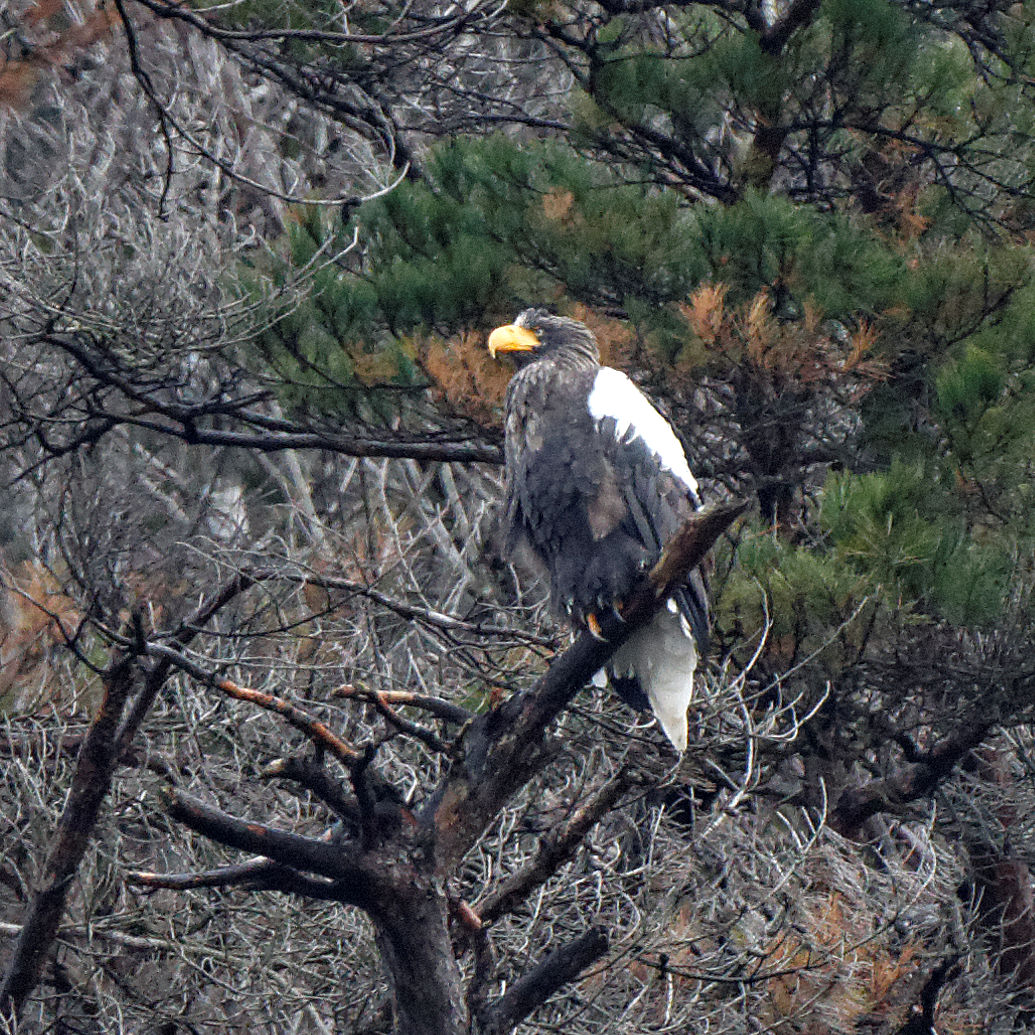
96,767
1003,887
411,923
553,973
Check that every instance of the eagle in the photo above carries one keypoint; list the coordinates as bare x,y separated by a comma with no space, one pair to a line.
596,483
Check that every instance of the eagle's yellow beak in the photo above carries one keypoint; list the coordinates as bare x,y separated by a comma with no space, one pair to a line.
512,338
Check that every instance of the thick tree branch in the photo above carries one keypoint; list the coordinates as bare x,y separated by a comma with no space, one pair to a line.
530,992
314,778
906,784
323,857
774,38
218,877
554,850
95,768
107,742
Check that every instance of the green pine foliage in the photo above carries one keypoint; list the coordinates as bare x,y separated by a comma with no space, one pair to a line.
860,194
321,344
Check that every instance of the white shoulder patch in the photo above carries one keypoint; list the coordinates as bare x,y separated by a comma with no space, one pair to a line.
615,396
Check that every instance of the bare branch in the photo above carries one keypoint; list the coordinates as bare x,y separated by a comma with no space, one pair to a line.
436,705
502,750
254,875
908,783
404,725
316,731
281,846
95,768
555,849
556,970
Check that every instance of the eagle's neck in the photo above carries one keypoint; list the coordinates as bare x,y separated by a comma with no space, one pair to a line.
557,380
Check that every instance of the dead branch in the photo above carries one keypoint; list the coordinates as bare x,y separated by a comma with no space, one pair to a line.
94,771
314,729
555,849
501,751
281,846
908,783
313,778
237,584
219,877
556,970
436,705
403,725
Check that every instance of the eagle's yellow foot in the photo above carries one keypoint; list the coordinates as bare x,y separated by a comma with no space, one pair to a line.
593,625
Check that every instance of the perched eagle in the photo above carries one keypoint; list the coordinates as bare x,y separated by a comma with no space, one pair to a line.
597,483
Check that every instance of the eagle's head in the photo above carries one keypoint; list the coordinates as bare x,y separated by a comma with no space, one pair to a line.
537,335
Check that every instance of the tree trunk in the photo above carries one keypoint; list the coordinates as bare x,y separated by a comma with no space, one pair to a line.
411,923
1003,888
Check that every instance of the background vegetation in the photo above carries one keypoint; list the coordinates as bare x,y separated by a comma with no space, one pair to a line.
252,587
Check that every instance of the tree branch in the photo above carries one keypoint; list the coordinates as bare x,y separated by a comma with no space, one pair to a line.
407,726
435,705
799,14
255,875
531,991
315,730
95,768
313,777
237,584
281,846
555,849
910,782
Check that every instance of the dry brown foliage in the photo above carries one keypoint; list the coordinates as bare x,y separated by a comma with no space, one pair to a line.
804,350
54,39
465,375
37,620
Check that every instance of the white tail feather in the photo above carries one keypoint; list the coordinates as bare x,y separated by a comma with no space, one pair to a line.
663,657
